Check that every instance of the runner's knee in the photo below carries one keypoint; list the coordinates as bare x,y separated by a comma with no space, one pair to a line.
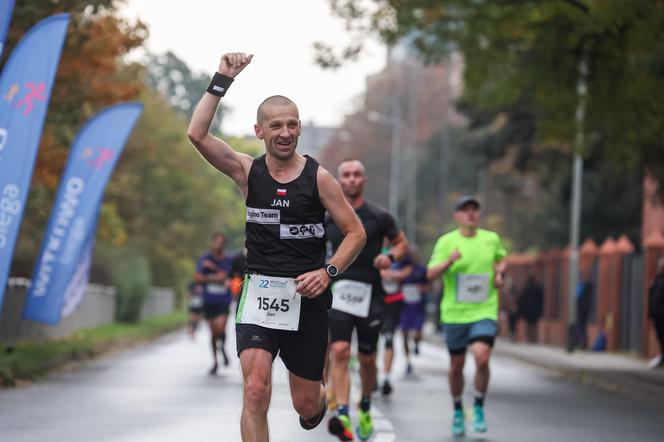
389,340
482,362
456,364
307,401
481,349
366,359
256,393
340,351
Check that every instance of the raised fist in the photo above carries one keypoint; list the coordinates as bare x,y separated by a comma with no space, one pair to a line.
233,63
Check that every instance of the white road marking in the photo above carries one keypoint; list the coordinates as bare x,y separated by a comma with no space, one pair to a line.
383,428
385,437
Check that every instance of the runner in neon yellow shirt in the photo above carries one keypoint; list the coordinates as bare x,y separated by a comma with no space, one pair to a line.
471,262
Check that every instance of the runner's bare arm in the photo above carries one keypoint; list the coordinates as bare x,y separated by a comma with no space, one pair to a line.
199,277
218,153
499,270
312,284
398,248
217,276
435,271
344,217
220,276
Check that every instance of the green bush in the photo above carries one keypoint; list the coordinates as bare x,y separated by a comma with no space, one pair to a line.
132,279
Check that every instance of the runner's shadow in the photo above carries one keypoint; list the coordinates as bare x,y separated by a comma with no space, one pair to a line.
413,377
218,377
469,439
382,399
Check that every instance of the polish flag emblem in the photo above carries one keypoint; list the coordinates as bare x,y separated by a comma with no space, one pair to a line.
281,192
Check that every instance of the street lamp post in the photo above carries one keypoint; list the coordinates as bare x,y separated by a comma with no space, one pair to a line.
575,215
412,153
394,121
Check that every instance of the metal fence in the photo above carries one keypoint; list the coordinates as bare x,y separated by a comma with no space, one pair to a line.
631,306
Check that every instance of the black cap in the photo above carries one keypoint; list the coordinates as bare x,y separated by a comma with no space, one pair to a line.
465,200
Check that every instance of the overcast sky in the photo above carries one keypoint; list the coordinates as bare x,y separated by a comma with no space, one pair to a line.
280,35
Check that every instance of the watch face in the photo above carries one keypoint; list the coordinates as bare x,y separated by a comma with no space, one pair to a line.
332,270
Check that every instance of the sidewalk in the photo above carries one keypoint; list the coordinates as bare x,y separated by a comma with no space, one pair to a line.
619,373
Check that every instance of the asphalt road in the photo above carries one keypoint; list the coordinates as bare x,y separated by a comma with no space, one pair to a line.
162,392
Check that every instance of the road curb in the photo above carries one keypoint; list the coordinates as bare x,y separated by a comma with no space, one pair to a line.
636,384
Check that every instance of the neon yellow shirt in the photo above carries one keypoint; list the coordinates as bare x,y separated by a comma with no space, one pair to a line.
469,294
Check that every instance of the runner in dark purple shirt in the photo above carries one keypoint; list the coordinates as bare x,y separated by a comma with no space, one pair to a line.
413,313
213,271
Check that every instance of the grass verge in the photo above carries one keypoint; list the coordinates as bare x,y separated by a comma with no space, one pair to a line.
28,360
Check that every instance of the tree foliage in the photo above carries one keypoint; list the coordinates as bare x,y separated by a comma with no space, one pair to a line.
166,199
516,50
179,86
427,126
91,74
522,68
163,200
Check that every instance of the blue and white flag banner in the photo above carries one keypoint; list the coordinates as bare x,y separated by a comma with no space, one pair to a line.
6,9
25,90
60,275
75,291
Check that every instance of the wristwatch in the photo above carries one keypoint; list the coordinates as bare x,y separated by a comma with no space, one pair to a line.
332,271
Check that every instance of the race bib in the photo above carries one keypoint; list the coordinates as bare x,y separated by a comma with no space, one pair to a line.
214,288
196,302
270,302
411,293
390,286
472,289
352,297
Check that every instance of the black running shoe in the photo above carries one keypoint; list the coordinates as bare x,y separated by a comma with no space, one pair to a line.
341,427
387,388
213,370
310,424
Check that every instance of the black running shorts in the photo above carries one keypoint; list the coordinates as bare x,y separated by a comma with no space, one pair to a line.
303,351
211,311
391,316
368,329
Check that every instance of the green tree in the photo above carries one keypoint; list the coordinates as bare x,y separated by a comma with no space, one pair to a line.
522,63
515,50
167,200
530,183
179,86
163,200
91,75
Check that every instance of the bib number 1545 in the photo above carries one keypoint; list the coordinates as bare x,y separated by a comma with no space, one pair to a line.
273,304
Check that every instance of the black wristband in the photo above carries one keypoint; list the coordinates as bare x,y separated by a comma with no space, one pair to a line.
219,84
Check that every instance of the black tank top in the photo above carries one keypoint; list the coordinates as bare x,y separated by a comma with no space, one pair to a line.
285,232
378,224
